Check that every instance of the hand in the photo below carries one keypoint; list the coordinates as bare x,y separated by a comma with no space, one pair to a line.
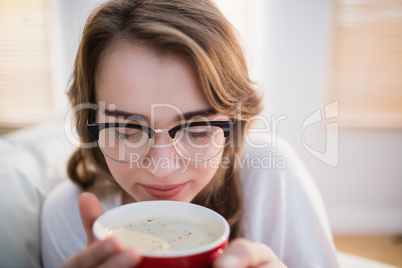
242,253
105,253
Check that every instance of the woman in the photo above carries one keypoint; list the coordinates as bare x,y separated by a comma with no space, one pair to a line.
170,96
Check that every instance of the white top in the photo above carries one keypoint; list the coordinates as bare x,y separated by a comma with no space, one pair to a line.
283,209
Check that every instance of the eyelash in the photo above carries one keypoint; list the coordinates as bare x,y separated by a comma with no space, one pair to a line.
196,135
119,135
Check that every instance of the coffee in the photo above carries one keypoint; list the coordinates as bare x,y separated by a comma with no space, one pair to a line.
163,234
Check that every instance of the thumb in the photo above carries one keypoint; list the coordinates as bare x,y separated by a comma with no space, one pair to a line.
90,210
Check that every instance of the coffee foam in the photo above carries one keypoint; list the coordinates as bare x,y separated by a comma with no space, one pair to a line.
163,234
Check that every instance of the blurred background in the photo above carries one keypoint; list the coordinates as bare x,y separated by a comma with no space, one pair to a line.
305,56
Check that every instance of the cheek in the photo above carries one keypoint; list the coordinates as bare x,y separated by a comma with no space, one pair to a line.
120,171
203,172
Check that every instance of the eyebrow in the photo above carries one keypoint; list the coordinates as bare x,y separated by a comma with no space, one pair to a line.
125,115
199,113
186,116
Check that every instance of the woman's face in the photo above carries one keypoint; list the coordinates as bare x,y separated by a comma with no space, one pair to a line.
158,91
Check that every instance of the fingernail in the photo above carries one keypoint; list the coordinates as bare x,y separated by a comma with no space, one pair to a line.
229,261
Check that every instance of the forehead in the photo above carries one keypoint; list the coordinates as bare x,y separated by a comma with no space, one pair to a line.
134,79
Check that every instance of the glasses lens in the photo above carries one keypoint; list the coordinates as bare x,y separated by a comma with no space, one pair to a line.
124,144
199,143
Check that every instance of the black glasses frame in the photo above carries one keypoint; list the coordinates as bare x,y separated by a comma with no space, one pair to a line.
95,128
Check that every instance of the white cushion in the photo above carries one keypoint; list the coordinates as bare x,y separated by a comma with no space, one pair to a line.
32,162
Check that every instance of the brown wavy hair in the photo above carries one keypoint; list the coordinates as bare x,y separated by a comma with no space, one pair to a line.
196,31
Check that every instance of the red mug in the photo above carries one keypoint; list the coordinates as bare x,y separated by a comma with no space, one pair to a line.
201,256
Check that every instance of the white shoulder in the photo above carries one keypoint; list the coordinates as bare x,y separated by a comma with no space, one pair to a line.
267,159
61,230
283,207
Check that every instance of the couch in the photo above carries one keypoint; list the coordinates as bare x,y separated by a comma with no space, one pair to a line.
32,162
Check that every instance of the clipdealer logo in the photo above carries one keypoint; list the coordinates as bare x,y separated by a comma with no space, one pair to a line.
331,154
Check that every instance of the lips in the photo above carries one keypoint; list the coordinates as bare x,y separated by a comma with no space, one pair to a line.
163,191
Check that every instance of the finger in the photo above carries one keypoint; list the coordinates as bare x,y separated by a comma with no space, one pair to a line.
94,254
90,210
128,258
242,253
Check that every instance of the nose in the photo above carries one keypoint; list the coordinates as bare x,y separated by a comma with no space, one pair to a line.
162,156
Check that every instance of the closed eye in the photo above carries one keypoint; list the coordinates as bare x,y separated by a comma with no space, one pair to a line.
125,136
198,134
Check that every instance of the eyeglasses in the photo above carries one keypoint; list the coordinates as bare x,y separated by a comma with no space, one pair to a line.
195,141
